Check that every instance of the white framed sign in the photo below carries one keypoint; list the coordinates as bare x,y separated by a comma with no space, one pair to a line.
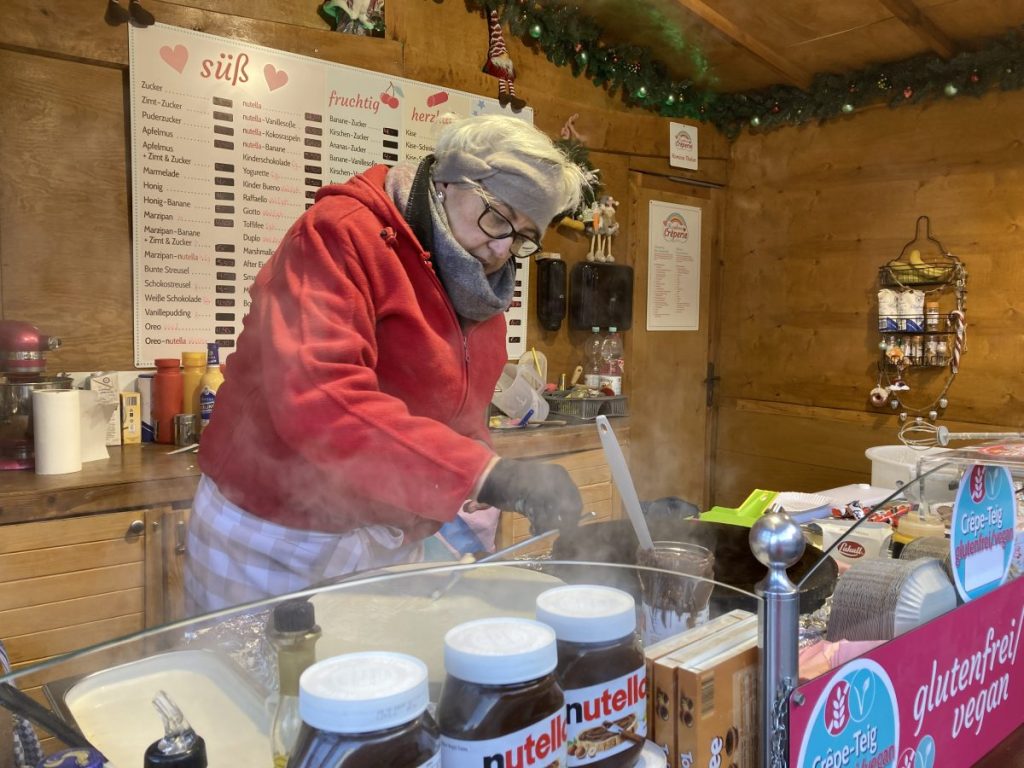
682,146
230,143
673,267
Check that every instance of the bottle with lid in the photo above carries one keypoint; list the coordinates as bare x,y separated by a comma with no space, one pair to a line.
209,384
167,395
293,633
612,362
193,366
181,746
500,698
366,710
592,359
602,672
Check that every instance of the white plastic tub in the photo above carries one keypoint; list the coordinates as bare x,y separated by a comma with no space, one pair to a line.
894,466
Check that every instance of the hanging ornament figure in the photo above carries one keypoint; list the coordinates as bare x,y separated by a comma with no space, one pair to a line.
499,65
603,227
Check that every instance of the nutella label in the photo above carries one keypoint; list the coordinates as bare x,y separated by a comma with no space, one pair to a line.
602,718
434,762
541,744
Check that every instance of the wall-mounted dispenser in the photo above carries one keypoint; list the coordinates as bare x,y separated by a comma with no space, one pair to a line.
600,295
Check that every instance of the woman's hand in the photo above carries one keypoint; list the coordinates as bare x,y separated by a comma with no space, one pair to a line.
544,493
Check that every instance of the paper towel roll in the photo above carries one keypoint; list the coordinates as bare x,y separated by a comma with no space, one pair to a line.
56,424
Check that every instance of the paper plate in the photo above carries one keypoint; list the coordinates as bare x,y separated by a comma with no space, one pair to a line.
926,593
804,506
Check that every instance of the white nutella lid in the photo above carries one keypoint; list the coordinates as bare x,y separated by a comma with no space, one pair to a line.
500,651
587,614
363,692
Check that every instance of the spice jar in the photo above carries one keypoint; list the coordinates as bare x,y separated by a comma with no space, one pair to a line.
602,673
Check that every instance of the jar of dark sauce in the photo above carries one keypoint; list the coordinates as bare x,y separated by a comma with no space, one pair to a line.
366,710
601,670
501,705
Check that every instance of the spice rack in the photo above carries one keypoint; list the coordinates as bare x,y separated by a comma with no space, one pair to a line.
921,322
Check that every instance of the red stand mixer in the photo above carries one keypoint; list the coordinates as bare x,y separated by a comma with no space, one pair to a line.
23,351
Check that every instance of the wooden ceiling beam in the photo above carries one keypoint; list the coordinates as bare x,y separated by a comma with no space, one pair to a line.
793,74
922,26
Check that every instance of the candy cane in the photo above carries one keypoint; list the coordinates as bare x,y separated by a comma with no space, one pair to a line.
960,327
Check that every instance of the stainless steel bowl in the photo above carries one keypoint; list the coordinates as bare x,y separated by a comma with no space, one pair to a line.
16,446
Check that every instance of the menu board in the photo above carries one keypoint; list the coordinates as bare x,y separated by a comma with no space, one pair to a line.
230,143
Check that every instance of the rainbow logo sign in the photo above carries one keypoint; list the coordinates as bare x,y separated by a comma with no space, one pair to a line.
675,228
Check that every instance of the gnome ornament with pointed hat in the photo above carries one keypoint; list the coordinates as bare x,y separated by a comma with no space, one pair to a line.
499,65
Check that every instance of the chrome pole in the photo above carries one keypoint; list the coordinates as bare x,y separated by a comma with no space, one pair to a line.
777,541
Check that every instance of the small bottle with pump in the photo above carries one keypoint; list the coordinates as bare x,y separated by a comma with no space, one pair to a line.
293,632
181,747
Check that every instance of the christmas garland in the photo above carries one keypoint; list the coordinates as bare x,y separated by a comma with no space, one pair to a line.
568,38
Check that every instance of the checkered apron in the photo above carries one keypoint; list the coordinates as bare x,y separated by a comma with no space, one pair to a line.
234,557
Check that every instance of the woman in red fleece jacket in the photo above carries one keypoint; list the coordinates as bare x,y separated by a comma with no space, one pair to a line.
352,420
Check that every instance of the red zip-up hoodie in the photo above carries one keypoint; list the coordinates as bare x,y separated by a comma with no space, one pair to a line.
354,396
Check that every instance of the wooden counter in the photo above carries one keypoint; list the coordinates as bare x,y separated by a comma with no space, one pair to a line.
133,476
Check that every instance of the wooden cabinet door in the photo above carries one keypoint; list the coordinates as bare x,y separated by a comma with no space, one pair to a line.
67,584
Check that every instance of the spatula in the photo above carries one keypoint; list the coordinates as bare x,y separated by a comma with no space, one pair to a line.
624,481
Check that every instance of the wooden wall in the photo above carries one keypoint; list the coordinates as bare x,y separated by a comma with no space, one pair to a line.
812,213
65,258
65,240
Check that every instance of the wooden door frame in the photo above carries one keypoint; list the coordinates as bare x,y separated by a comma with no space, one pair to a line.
712,228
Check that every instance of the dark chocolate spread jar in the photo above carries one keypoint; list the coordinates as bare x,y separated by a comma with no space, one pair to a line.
601,670
366,710
501,704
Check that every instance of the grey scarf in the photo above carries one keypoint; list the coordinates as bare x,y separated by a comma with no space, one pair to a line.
474,294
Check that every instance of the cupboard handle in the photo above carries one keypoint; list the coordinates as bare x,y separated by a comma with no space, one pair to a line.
181,534
136,527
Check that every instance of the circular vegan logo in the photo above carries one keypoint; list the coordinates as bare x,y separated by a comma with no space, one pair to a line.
856,715
675,227
981,535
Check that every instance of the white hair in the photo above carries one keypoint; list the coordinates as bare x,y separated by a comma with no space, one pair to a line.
487,134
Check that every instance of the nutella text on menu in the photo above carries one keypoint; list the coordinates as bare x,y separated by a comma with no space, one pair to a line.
230,143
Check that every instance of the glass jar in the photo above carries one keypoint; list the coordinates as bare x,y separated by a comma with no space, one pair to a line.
602,673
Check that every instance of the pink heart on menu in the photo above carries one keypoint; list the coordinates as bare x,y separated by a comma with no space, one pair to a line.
176,57
276,78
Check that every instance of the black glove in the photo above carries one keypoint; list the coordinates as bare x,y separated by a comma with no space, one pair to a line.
544,493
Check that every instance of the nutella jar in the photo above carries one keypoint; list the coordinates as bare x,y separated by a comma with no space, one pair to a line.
601,670
501,705
366,710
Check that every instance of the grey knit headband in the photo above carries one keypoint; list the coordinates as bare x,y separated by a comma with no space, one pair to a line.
531,188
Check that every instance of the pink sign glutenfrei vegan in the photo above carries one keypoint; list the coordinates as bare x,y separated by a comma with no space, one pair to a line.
944,694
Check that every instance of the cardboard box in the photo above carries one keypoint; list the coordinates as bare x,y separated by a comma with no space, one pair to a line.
720,718
662,659
145,386
131,418
107,390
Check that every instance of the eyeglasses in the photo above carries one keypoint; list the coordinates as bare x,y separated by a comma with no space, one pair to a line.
494,223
